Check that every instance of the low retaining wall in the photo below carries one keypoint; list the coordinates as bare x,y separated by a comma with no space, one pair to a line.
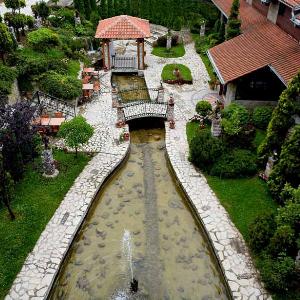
42,265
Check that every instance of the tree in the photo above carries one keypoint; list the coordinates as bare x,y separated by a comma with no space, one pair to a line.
76,132
15,4
6,188
6,41
41,9
42,39
233,28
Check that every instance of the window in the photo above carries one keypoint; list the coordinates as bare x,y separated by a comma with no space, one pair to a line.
281,10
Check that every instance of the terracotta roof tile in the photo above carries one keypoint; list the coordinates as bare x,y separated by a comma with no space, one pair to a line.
248,14
264,45
292,3
123,27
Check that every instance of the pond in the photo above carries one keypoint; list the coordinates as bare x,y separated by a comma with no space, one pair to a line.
141,227
131,87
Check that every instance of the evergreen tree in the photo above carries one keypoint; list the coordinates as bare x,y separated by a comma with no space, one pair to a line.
87,9
233,28
221,33
6,41
79,6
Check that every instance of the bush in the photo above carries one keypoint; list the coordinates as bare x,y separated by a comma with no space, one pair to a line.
278,275
287,169
283,241
205,150
203,108
236,163
260,231
162,41
42,39
7,77
262,116
60,86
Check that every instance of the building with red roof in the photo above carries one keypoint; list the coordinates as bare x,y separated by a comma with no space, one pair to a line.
123,28
258,64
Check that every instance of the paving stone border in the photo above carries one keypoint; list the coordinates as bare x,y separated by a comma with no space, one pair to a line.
226,240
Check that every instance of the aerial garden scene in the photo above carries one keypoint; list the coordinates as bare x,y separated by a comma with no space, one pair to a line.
150,149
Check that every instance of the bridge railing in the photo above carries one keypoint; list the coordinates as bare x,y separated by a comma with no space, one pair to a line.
44,100
124,62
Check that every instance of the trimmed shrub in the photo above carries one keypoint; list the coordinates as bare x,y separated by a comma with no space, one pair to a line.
205,150
260,231
234,164
262,116
42,39
283,240
203,108
60,86
7,77
287,169
278,275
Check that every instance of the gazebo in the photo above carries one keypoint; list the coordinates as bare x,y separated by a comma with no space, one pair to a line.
123,28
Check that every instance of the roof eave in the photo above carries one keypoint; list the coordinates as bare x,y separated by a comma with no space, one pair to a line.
277,74
220,9
215,67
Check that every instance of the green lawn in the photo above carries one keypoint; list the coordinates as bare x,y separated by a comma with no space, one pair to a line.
167,72
202,45
174,52
259,137
243,198
36,199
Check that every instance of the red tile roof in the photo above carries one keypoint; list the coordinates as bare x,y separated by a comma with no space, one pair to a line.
291,3
123,27
261,44
248,14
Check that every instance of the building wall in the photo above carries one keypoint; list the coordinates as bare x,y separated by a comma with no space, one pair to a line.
263,9
284,22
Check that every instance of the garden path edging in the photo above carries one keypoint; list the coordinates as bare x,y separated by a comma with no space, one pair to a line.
228,243
42,265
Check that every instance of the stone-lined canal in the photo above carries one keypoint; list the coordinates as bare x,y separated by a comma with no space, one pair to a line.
171,258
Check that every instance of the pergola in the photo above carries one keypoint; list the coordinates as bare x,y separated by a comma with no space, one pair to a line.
123,28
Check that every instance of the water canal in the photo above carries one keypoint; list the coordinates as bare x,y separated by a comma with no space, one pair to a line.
141,226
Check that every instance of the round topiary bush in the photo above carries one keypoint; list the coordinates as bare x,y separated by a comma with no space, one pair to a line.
42,39
260,231
61,86
205,150
234,164
279,274
262,116
203,108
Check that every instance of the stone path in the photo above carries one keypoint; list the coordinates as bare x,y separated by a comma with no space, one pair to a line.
42,265
228,243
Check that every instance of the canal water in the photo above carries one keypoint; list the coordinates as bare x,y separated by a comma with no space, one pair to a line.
131,87
141,227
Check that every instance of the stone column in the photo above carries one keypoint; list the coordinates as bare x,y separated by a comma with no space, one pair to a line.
114,96
230,93
120,116
106,54
216,126
170,112
273,12
140,54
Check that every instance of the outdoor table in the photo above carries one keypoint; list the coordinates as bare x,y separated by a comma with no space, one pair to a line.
88,70
52,123
87,86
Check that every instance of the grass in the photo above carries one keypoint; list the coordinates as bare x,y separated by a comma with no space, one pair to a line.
174,52
202,45
243,198
259,137
36,199
167,72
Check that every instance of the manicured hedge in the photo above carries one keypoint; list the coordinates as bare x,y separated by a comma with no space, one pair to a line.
168,75
61,86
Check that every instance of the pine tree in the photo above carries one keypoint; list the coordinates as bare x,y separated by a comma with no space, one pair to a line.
233,28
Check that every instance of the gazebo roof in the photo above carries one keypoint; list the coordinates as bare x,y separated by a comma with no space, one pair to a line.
123,27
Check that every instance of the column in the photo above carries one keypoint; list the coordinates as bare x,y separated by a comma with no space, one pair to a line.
140,54
170,112
106,54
